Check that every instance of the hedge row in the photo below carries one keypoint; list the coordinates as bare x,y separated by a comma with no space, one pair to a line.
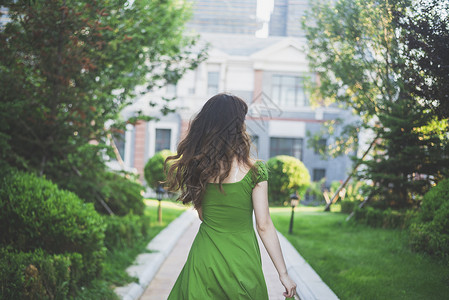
52,243
430,232
388,218
124,231
35,214
122,195
38,275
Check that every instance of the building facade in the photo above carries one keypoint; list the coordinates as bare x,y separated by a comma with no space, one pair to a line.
269,74
286,18
225,16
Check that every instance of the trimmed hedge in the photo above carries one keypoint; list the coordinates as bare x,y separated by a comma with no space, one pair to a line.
122,195
38,275
430,232
35,214
388,218
348,206
124,231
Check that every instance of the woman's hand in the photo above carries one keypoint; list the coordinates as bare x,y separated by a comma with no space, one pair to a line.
289,284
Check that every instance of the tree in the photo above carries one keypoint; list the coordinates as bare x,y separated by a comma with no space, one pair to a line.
425,42
353,47
288,175
67,68
406,156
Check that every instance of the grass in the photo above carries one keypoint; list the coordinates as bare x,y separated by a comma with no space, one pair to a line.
359,262
170,211
118,260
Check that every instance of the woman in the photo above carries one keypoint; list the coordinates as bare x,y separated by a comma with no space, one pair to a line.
213,170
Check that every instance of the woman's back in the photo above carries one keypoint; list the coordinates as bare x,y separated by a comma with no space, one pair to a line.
225,256
230,211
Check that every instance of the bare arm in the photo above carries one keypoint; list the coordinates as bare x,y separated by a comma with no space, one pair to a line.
269,237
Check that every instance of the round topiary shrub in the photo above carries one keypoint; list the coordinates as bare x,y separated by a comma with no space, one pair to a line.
430,231
154,169
287,175
35,214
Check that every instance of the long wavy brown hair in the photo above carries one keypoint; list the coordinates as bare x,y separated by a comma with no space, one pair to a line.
217,135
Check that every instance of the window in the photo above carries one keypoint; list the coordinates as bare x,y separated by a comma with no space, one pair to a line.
288,91
321,145
318,174
212,82
286,146
163,137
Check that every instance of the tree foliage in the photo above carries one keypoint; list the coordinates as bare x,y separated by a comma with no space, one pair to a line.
425,43
352,49
288,175
68,67
354,46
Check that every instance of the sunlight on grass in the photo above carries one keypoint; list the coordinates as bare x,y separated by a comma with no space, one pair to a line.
301,208
169,204
170,211
359,262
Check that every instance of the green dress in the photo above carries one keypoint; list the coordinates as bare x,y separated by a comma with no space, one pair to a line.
224,261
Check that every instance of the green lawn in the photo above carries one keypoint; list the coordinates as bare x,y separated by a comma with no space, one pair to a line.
170,211
359,262
117,261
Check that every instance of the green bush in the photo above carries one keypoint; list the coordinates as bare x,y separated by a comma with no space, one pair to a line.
348,206
154,169
124,231
356,191
122,195
287,175
314,193
334,186
430,231
35,214
38,275
433,200
388,218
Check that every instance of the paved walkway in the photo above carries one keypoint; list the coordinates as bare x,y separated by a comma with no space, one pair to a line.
165,278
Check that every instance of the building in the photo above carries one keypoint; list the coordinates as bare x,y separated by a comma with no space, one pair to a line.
286,18
269,73
225,16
